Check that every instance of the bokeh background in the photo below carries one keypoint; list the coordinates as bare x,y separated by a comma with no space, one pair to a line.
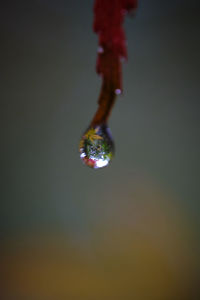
131,230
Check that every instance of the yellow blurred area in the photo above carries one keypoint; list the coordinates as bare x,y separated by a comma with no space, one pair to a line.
143,251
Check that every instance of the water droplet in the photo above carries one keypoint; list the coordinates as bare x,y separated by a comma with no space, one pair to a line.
100,49
118,91
96,147
122,59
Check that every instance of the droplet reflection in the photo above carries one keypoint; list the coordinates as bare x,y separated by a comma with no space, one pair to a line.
96,147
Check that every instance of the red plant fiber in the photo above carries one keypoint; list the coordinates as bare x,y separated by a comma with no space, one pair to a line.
108,19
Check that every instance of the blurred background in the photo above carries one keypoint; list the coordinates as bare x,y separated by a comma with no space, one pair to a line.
131,230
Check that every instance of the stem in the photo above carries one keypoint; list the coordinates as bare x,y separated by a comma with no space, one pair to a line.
111,82
106,101
108,20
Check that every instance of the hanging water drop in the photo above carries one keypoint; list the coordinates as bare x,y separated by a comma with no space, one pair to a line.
96,147
100,49
118,91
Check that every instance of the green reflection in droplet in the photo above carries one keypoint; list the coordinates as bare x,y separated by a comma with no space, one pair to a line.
96,147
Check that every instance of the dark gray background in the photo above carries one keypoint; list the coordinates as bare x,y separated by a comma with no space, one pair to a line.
49,91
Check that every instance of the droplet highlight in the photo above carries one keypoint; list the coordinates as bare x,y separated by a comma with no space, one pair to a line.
100,49
96,147
118,91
